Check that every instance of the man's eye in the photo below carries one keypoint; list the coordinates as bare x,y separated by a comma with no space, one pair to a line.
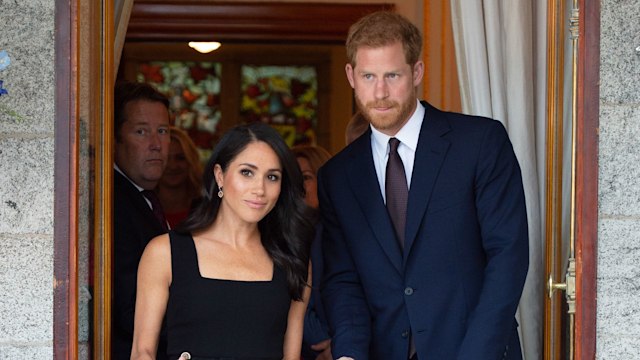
307,177
141,131
367,76
163,131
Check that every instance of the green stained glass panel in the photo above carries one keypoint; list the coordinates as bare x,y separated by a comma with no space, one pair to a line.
284,97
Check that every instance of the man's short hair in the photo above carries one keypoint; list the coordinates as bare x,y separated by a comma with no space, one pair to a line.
126,92
383,28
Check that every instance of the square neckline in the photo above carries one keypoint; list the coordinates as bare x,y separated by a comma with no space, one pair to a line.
195,249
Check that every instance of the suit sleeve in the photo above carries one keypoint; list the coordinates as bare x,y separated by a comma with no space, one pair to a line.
314,331
342,293
315,324
128,249
501,212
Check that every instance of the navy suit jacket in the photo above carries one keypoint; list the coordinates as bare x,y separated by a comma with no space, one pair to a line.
456,284
316,328
134,225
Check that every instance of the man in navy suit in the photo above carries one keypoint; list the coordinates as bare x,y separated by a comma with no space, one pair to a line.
445,285
141,129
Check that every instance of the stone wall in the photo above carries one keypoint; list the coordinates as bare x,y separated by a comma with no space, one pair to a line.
618,284
26,179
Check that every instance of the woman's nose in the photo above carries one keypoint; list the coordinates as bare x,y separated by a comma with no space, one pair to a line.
258,189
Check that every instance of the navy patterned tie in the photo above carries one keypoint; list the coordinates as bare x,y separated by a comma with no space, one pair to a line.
156,207
396,190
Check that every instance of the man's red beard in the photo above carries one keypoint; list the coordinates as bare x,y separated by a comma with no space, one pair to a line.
396,114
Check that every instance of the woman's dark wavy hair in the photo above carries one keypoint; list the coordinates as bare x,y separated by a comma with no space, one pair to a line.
287,230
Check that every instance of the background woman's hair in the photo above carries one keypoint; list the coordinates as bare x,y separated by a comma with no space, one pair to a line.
356,126
287,230
316,155
193,159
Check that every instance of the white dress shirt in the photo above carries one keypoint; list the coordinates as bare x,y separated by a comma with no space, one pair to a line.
408,136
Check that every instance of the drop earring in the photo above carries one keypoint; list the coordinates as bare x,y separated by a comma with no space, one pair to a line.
220,193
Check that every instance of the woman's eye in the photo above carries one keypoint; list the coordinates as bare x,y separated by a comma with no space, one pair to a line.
246,172
273,177
307,177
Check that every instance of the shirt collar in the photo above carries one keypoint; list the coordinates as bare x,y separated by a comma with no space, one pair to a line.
116,168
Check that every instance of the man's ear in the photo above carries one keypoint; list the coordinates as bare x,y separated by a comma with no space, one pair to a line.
349,70
418,73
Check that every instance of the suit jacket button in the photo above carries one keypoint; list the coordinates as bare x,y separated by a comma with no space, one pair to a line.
408,291
405,334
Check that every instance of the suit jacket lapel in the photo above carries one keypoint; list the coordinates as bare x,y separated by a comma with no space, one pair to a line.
430,154
132,196
364,184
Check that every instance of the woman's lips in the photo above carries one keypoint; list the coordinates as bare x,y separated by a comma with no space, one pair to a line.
255,204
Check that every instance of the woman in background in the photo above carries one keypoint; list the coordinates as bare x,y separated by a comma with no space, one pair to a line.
233,278
316,342
181,182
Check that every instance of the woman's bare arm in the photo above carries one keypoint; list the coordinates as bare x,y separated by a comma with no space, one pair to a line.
295,324
154,278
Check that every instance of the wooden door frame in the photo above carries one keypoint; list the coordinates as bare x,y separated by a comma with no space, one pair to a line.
65,227
587,178
65,287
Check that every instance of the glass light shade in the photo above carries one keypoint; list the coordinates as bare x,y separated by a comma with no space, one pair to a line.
204,47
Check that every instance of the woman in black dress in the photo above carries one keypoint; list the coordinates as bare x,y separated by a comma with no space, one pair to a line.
233,281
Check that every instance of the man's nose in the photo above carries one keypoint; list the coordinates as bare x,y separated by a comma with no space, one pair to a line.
381,90
154,141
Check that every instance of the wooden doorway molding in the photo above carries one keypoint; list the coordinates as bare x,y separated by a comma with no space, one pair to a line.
282,22
588,112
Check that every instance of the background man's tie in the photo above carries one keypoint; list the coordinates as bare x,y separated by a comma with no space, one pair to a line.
156,207
396,190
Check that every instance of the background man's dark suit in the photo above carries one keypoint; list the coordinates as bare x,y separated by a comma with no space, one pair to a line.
134,225
458,281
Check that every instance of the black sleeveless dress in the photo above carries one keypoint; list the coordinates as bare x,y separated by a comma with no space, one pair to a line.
223,319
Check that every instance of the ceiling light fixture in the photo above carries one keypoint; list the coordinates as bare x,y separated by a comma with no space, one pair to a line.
204,47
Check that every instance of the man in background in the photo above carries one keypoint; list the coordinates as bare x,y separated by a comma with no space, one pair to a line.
425,228
141,130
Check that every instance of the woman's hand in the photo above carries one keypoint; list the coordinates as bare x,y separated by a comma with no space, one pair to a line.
324,347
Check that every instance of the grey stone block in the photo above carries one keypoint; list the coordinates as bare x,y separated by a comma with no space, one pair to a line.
27,351
619,62
26,185
617,347
619,160
28,38
26,277
618,284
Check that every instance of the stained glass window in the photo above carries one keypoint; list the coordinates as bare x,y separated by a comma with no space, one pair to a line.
193,89
284,97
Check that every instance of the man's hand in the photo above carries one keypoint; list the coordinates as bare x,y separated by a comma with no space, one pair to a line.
325,349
